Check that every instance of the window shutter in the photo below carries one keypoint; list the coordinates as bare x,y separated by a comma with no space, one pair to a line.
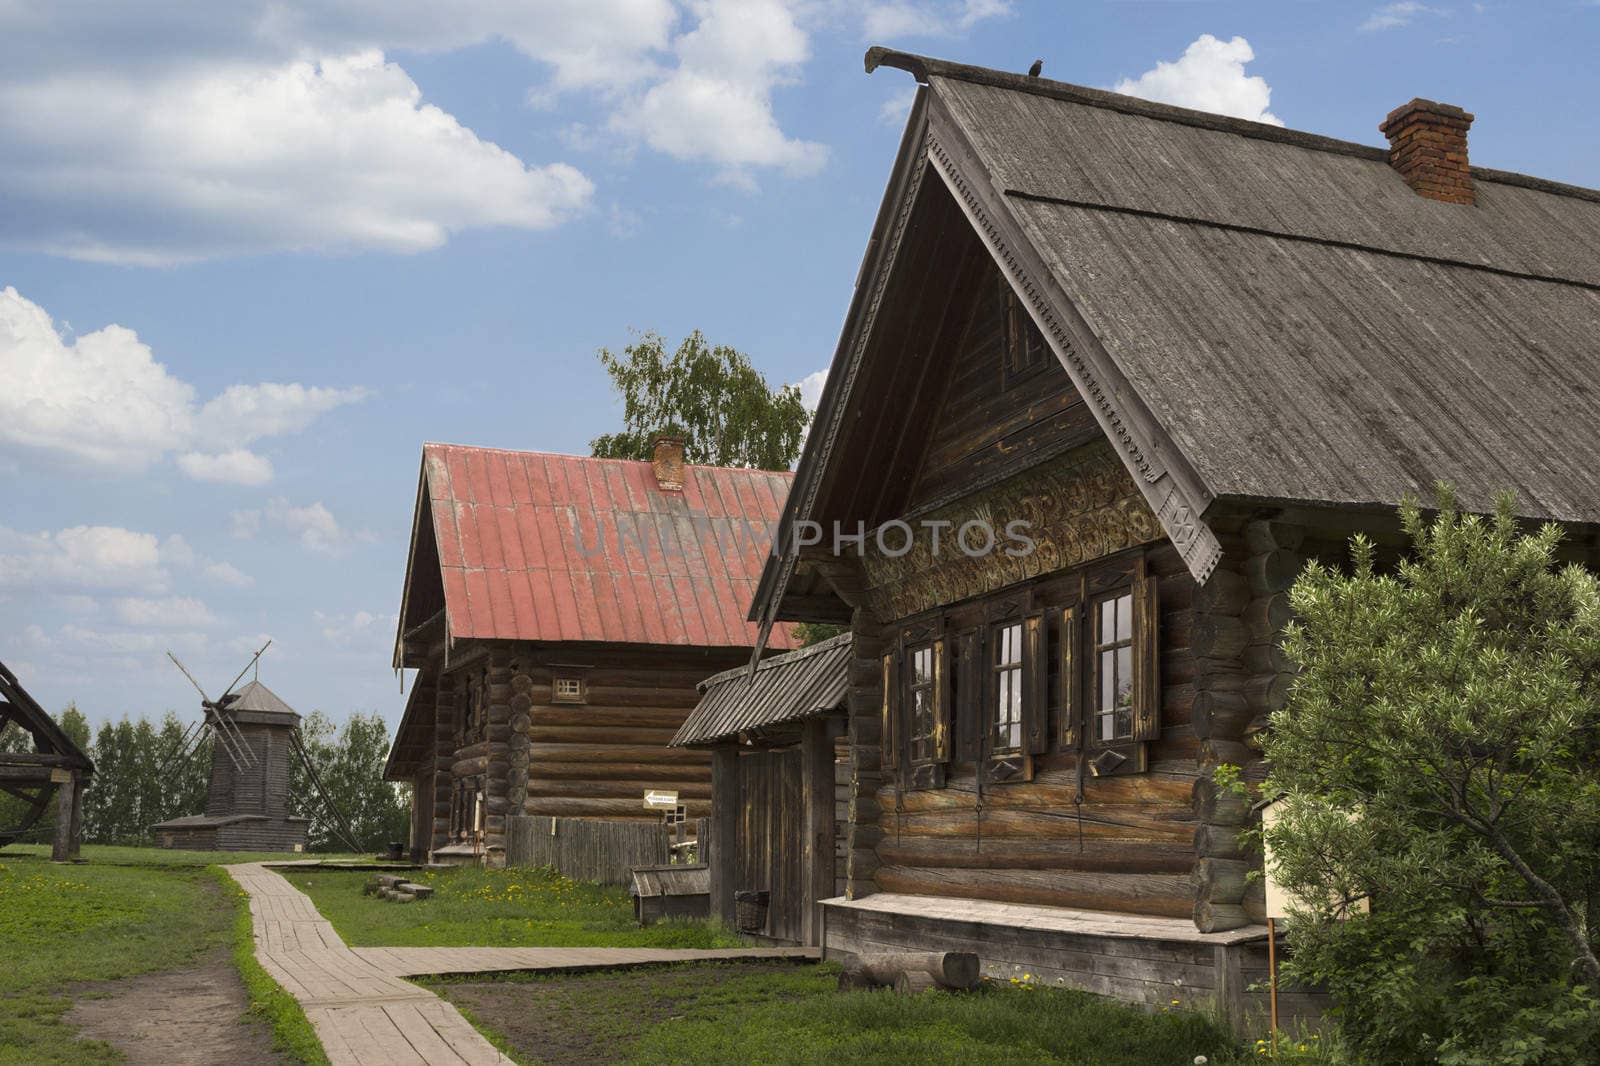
1071,681
970,676
941,699
1146,658
1035,686
889,755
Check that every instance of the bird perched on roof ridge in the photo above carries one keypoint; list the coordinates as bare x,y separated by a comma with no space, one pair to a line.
1033,71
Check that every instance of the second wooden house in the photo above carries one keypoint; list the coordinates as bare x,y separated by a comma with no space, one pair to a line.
1111,373
559,611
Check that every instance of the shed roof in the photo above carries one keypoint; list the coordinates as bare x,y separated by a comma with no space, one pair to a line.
535,546
1256,315
785,688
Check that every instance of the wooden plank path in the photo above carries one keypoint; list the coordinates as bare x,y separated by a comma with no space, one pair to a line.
366,1015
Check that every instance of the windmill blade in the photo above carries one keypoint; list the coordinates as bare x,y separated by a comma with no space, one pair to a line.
246,670
232,737
232,742
181,749
342,825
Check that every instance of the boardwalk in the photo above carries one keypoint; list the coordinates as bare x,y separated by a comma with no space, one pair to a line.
366,1015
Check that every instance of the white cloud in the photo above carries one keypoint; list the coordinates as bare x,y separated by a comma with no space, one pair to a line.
169,612
82,557
312,524
898,106
287,125
1209,76
102,400
226,574
227,159
121,641
715,106
364,627
238,467
101,557
903,18
811,388
1404,13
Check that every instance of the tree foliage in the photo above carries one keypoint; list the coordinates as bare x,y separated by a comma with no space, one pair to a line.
712,396
1439,758
349,761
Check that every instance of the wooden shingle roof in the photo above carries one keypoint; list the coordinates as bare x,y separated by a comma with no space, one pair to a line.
1254,314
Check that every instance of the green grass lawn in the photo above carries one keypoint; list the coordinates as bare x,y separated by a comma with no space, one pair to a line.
741,1013
127,911
494,908
60,925
119,856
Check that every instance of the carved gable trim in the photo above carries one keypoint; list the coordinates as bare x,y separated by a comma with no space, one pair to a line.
1078,508
1173,508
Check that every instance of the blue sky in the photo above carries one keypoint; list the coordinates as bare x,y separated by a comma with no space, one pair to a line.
252,255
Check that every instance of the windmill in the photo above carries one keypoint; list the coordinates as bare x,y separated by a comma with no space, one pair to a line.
254,737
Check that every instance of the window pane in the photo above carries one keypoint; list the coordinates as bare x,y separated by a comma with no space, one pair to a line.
1124,692
1108,622
1107,668
1125,617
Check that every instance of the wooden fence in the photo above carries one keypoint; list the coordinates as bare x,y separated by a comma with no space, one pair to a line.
588,849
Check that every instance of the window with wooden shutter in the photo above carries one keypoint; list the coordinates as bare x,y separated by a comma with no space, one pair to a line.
888,756
1123,687
927,709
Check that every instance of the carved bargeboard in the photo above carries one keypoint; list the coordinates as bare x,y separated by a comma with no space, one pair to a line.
1079,507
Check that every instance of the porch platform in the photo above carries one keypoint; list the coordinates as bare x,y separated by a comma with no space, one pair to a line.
1152,961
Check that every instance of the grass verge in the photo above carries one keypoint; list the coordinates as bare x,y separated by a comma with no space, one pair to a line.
64,925
500,908
280,1012
737,1013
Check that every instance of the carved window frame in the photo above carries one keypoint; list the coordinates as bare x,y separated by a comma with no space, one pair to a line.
921,751
1081,670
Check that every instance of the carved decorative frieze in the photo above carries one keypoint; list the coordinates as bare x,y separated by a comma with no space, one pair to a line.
1075,509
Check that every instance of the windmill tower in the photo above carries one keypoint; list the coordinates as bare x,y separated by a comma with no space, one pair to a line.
255,740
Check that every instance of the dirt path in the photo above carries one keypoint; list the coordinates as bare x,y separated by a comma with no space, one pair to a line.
193,1017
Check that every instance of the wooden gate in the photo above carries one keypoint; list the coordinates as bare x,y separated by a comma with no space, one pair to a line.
771,845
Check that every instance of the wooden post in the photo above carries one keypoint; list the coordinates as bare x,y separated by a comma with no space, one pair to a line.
1228,979
724,856
61,851
816,870
1272,973
75,840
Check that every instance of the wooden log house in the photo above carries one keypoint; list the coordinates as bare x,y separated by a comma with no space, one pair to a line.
560,611
1112,371
778,818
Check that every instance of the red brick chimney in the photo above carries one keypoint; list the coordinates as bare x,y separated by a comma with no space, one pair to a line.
1428,146
668,463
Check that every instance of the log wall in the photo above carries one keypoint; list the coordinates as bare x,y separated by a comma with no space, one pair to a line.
594,759
1130,847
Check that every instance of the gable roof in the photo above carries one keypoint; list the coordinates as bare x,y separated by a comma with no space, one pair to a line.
16,705
1257,315
783,689
257,699
534,546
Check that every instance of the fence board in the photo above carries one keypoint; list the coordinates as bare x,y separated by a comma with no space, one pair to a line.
587,849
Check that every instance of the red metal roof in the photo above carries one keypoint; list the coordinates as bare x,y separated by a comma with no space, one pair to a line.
535,546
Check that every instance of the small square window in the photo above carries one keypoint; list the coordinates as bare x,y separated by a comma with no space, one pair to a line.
569,690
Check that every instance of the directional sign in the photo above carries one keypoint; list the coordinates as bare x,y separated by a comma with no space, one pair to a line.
657,798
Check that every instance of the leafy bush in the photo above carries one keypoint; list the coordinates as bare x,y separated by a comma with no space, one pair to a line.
1439,760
